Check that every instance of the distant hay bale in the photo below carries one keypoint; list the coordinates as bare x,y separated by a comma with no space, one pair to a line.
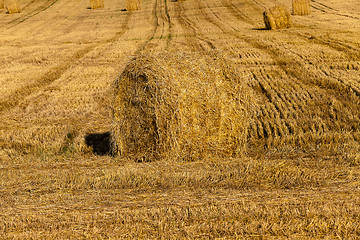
12,6
133,5
277,17
301,7
180,105
96,4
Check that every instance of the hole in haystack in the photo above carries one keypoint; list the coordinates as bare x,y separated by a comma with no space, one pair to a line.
99,142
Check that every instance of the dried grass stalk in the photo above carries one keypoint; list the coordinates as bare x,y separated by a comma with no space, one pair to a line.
277,17
12,6
133,5
180,105
96,4
301,7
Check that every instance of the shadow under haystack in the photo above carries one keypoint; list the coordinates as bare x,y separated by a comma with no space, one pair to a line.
180,105
100,143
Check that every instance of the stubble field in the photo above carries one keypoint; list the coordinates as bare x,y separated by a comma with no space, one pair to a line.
299,177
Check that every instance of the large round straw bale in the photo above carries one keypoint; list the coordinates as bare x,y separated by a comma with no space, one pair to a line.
277,17
94,4
180,105
133,5
12,6
301,7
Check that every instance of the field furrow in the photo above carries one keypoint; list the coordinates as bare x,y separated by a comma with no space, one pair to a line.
30,9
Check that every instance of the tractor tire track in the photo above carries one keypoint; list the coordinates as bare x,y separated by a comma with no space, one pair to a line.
193,37
326,9
161,28
33,13
155,28
353,53
240,15
168,19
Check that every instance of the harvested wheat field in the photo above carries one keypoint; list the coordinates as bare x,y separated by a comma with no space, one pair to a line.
179,120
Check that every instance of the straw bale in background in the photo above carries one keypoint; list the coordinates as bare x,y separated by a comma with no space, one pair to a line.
180,105
12,6
96,4
301,7
277,17
133,5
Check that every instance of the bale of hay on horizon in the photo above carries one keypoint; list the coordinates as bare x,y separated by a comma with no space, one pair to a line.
95,4
133,5
181,106
301,7
277,17
12,6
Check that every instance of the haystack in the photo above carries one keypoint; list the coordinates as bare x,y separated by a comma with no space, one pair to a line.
277,17
180,105
96,4
12,6
301,7
133,5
